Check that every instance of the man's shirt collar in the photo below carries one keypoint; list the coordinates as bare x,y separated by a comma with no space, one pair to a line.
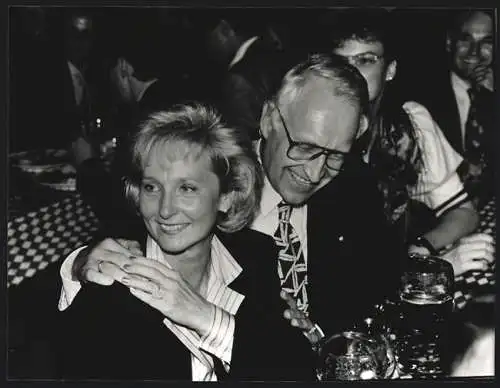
270,197
240,53
459,83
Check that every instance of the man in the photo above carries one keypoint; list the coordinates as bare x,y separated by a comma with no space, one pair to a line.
319,204
243,54
79,94
461,98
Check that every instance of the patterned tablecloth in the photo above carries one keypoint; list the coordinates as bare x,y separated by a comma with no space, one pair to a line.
46,235
472,284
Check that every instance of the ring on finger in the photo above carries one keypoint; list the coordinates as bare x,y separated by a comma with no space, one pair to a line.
156,292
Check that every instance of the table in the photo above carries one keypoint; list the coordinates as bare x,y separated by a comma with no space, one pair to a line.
44,226
474,283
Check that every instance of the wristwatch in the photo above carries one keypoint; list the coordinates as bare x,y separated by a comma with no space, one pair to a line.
421,241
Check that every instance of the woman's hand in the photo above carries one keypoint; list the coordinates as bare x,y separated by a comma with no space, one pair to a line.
300,319
472,253
165,290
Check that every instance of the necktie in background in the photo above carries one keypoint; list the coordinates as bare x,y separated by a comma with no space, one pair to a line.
473,132
292,266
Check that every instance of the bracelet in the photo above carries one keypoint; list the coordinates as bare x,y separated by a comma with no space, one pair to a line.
421,241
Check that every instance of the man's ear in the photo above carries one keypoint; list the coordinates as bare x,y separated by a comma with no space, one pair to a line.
391,70
225,28
448,43
363,125
265,120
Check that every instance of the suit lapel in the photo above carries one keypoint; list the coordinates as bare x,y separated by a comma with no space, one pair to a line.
246,246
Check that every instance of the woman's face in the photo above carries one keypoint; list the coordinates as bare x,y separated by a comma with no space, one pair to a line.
368,58
179,199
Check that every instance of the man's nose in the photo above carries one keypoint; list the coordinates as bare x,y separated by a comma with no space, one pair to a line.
474,49
315,168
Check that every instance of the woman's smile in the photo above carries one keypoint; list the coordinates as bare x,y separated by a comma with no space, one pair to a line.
172,228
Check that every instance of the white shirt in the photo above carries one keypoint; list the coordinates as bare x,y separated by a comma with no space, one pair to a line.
460,88
267,219
146,85
219,341
78,82
438,185
240,53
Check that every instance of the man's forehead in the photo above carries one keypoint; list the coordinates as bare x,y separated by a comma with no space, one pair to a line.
312,116
479,24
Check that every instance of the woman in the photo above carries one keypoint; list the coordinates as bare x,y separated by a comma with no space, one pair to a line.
414,162
197,306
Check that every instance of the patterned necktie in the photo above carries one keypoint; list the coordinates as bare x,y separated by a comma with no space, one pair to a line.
292,266
473,132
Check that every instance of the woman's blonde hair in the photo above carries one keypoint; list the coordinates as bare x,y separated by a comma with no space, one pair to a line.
198,127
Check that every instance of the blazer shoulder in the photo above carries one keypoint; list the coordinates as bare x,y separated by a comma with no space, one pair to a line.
248,246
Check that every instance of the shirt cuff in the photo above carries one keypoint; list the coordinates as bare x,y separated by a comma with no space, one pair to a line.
219,340
70,287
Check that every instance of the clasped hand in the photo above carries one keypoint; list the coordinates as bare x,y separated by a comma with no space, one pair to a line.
483,76
472,253
154,283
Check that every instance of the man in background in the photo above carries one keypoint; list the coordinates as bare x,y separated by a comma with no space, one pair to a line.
241,57
461,97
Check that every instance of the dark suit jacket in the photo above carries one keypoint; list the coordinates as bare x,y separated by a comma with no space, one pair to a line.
353,256
246,85
439,98
109,334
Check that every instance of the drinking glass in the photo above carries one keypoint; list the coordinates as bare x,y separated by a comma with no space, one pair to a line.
378,332
347,356
426,305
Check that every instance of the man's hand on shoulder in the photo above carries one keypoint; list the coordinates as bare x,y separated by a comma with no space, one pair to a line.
102,263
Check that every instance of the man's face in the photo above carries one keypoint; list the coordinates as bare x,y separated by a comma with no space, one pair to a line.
318,117
220,44
121,81
472,45
79,39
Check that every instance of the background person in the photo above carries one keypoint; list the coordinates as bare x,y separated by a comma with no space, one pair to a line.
459,94
415,165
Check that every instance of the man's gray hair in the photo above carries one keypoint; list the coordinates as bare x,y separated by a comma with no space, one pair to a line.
347,81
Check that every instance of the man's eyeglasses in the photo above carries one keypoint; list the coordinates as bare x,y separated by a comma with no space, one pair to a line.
467,41
363,59
307,151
